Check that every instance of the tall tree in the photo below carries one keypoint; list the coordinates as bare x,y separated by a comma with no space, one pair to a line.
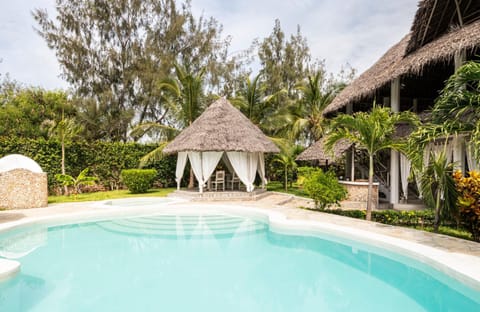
116,52
372,132
284,62
27,111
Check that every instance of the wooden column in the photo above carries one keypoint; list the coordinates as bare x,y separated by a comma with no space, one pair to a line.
459,58
394,155
459,150
415,105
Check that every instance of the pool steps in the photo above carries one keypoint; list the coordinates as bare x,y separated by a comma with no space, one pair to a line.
184,226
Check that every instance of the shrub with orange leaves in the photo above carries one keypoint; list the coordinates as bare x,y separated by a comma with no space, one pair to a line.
468,201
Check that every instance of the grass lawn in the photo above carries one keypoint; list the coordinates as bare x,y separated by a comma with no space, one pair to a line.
275,186
108,195
459,233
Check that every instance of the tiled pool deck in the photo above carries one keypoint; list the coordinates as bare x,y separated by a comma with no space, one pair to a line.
460,255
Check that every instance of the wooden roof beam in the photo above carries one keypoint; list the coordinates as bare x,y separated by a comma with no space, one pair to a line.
459,13
425,31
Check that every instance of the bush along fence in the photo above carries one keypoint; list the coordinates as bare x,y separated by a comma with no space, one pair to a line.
105,160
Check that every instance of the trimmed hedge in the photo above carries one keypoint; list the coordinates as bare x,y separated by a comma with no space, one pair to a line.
104,159
138,180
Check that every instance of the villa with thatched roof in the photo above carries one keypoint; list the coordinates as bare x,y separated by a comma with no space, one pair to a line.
444,34
222,133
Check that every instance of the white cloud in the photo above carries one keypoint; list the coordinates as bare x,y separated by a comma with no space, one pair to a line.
24,54
354,31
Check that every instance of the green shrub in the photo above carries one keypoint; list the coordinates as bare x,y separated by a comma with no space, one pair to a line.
302,174
468,201
323,188
138,180
357,214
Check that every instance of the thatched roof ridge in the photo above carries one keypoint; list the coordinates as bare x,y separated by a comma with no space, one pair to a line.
221,127
318,152
372,79
396,63
435,18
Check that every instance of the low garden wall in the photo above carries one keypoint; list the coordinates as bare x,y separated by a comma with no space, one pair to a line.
20,189
358,192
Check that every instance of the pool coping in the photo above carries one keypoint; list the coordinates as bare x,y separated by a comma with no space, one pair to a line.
459,264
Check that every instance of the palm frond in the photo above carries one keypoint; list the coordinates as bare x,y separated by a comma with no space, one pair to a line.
154,156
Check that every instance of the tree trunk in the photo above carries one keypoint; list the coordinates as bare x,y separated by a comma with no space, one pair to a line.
370,188
286,179
65,188
191,180
437,211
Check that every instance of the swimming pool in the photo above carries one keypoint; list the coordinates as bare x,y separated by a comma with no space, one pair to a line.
213,262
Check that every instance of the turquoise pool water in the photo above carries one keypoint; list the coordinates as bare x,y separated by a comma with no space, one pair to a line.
212,263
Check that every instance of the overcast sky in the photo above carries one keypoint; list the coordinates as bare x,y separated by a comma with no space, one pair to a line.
357,32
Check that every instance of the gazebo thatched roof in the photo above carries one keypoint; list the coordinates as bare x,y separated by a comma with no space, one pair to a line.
414,52
221,127
318,152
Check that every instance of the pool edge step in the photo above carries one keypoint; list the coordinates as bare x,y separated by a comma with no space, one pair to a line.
8,269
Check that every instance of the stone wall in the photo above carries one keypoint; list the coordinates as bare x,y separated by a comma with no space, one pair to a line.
358,192
20,189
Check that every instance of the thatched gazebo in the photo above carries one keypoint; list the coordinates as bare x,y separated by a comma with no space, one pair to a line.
222,132
319,153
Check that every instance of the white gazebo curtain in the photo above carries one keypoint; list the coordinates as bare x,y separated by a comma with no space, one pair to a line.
261,169
181,162
203,165
471,161
227,163
244,164
405,166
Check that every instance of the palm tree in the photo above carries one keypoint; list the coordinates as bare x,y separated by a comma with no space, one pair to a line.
81,179
254,103
183,95
64,131
372,132
457,109
438,186
251,99
307,113
286,157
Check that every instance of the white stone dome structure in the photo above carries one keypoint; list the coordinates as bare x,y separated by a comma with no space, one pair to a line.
17,161
23,184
